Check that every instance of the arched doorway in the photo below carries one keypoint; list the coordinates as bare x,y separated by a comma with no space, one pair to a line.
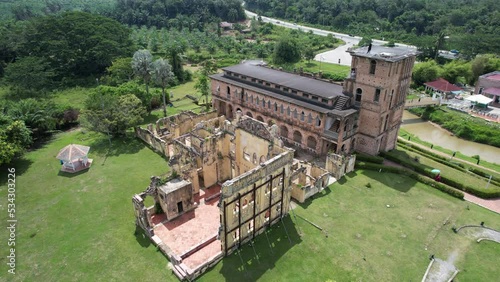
297,137
284,131
229,112
311,142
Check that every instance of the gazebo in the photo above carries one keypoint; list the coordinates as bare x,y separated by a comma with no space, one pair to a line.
74,158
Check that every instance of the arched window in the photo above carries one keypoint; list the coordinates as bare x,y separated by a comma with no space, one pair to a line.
311,142
254,158
228,92
302,116
268,104
359,92
281,108
318,121
275,107
297,137
373,66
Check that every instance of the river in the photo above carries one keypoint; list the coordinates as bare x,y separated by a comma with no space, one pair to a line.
436,135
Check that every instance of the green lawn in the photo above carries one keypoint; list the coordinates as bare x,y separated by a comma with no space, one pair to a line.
81,227
366,240
334,69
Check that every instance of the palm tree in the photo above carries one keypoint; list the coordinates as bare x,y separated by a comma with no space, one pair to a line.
142,64
162,72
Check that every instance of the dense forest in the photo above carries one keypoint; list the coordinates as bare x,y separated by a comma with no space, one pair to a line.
166,13
471,26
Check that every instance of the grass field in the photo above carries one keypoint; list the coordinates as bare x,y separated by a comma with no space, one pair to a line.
314,66
81,227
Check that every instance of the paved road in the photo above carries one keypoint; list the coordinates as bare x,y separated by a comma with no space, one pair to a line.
331,56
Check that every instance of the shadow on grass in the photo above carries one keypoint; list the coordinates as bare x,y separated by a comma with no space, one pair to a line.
71,175
309,201
20,166
266,254
141,237
397,182
119,145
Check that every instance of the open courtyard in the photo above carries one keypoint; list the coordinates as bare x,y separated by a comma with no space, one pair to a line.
81,226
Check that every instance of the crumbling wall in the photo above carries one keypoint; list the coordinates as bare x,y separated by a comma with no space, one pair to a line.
339,165
155,142
254,201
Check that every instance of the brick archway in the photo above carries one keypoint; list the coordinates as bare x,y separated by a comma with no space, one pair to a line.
284,131
311,142
297,136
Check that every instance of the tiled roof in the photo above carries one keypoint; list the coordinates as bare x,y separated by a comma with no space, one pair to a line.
294,81
443,85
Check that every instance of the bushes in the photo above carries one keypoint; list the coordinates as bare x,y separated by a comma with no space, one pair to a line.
462,125
477,191
420,178
368,158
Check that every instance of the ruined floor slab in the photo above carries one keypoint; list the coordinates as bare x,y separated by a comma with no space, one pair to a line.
192,228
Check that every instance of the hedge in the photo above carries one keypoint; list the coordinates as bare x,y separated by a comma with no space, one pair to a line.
477,191
369,159
420,178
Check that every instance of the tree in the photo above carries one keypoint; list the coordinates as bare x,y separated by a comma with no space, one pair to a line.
142,64
14,138
365,41
119,72
112,114
163,75
30,74
208,67
426,72
176,63
286,50
37,115
309,54
76,44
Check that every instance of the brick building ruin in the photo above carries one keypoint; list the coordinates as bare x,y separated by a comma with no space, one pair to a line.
229,182
233,170
362,114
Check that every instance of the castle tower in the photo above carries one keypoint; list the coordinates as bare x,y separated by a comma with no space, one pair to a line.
378,84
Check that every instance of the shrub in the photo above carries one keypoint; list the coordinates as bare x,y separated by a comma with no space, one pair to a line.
368,185
368,158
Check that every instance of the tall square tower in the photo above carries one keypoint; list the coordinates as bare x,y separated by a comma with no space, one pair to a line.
378,84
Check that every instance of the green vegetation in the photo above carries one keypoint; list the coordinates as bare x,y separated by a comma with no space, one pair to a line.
363,239
429,25
462,124
70,223
364,236
470,183
330,71
456,71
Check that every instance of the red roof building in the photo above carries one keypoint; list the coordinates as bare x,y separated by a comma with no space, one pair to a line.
442,86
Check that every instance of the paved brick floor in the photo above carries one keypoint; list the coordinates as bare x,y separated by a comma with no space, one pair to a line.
194,228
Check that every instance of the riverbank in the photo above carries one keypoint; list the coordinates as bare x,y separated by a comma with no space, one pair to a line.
461,124
430,134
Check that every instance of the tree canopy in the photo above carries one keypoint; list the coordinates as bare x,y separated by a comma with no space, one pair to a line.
74,44
286,51
472,26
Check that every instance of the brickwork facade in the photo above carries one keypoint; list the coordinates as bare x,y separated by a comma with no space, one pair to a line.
365,114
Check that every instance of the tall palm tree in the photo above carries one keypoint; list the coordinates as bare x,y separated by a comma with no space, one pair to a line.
142,64
162,73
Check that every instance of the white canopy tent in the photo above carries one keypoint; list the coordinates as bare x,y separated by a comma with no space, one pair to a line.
479,99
